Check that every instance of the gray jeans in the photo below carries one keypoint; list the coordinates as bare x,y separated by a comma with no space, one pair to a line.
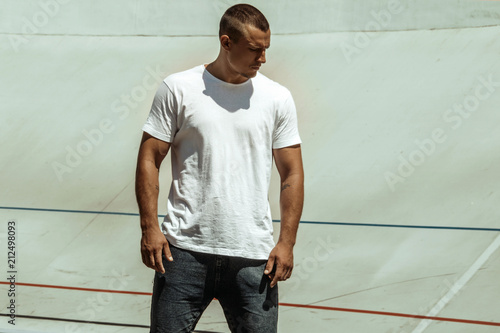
193,280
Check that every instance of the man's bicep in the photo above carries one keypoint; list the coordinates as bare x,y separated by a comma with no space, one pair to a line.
288,160
152,149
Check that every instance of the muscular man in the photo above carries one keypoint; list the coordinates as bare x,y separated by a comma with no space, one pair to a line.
223,122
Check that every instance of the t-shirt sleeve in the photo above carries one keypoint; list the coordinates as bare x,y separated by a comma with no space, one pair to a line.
286,131
162,119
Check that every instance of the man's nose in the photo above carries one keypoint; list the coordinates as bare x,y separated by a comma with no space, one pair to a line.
262,57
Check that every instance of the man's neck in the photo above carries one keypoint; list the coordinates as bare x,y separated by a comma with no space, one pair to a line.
220,70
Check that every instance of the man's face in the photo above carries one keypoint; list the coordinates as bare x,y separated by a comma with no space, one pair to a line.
246,56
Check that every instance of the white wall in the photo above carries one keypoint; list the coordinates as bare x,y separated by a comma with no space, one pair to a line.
195,17
364,99
399,126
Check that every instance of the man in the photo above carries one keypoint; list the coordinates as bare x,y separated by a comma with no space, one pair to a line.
224,123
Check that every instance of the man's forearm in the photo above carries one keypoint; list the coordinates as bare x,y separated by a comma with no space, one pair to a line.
146,191
291,203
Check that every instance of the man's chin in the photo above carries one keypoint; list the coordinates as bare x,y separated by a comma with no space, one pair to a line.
249,75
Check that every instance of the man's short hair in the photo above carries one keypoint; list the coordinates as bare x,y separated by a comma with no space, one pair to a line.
236,17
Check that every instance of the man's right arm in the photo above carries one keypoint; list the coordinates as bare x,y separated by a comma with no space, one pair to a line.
152,151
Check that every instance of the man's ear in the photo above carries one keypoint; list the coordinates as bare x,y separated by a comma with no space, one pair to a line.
225,42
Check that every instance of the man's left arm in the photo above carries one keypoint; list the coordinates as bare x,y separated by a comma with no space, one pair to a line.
289,164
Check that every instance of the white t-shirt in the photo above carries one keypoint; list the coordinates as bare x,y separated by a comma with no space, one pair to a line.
221,136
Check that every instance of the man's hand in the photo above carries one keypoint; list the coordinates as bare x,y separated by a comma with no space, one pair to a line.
153,243
281,257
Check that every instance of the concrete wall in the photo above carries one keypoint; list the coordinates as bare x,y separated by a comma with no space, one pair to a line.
195,18
368,103
399,116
